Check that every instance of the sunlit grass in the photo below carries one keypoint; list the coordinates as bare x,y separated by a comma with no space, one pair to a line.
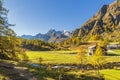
113,56
116,51
111,74
59,57
66,57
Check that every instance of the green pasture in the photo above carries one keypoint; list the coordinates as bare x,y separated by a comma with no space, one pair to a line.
113,56
108,74
59,57
111,74
67,57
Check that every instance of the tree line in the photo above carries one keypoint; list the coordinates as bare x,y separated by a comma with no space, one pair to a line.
37,45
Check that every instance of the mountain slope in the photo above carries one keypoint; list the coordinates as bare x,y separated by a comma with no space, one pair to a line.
105,24
51,36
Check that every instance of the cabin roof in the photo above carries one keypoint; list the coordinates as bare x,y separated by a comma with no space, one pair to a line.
92,46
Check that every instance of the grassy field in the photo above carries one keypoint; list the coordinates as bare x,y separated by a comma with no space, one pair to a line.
118,51
114,52
69,57
111,74
66,57
59,57
113,56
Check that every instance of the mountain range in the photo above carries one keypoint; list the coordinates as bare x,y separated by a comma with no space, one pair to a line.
104,24
51,36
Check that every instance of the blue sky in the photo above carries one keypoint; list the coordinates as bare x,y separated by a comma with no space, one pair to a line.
38,16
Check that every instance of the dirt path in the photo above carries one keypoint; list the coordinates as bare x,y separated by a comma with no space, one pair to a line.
16,73
23,74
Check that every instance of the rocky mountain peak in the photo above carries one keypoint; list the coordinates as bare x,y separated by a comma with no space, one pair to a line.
51,36
106,20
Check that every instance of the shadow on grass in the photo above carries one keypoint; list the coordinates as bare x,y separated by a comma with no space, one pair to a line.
113,54
10,71
43,74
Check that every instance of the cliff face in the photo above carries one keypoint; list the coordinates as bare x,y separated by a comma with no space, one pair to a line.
105,22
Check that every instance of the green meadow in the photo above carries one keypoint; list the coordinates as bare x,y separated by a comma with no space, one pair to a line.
109,74
70,57
54,57
66,57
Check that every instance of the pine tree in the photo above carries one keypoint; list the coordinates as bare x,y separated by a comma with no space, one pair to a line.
9,43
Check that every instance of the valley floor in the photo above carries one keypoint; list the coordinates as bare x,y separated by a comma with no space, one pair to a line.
67,57
49,68
11,70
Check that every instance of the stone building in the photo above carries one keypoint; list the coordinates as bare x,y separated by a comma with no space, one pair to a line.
92,49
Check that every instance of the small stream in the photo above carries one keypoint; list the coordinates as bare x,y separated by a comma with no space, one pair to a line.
35,65
56,67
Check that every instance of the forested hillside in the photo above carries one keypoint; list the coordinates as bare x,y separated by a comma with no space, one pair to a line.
37,45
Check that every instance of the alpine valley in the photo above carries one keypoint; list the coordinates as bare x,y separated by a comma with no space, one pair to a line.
90,52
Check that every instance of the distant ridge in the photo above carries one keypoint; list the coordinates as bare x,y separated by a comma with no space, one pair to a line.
51,36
